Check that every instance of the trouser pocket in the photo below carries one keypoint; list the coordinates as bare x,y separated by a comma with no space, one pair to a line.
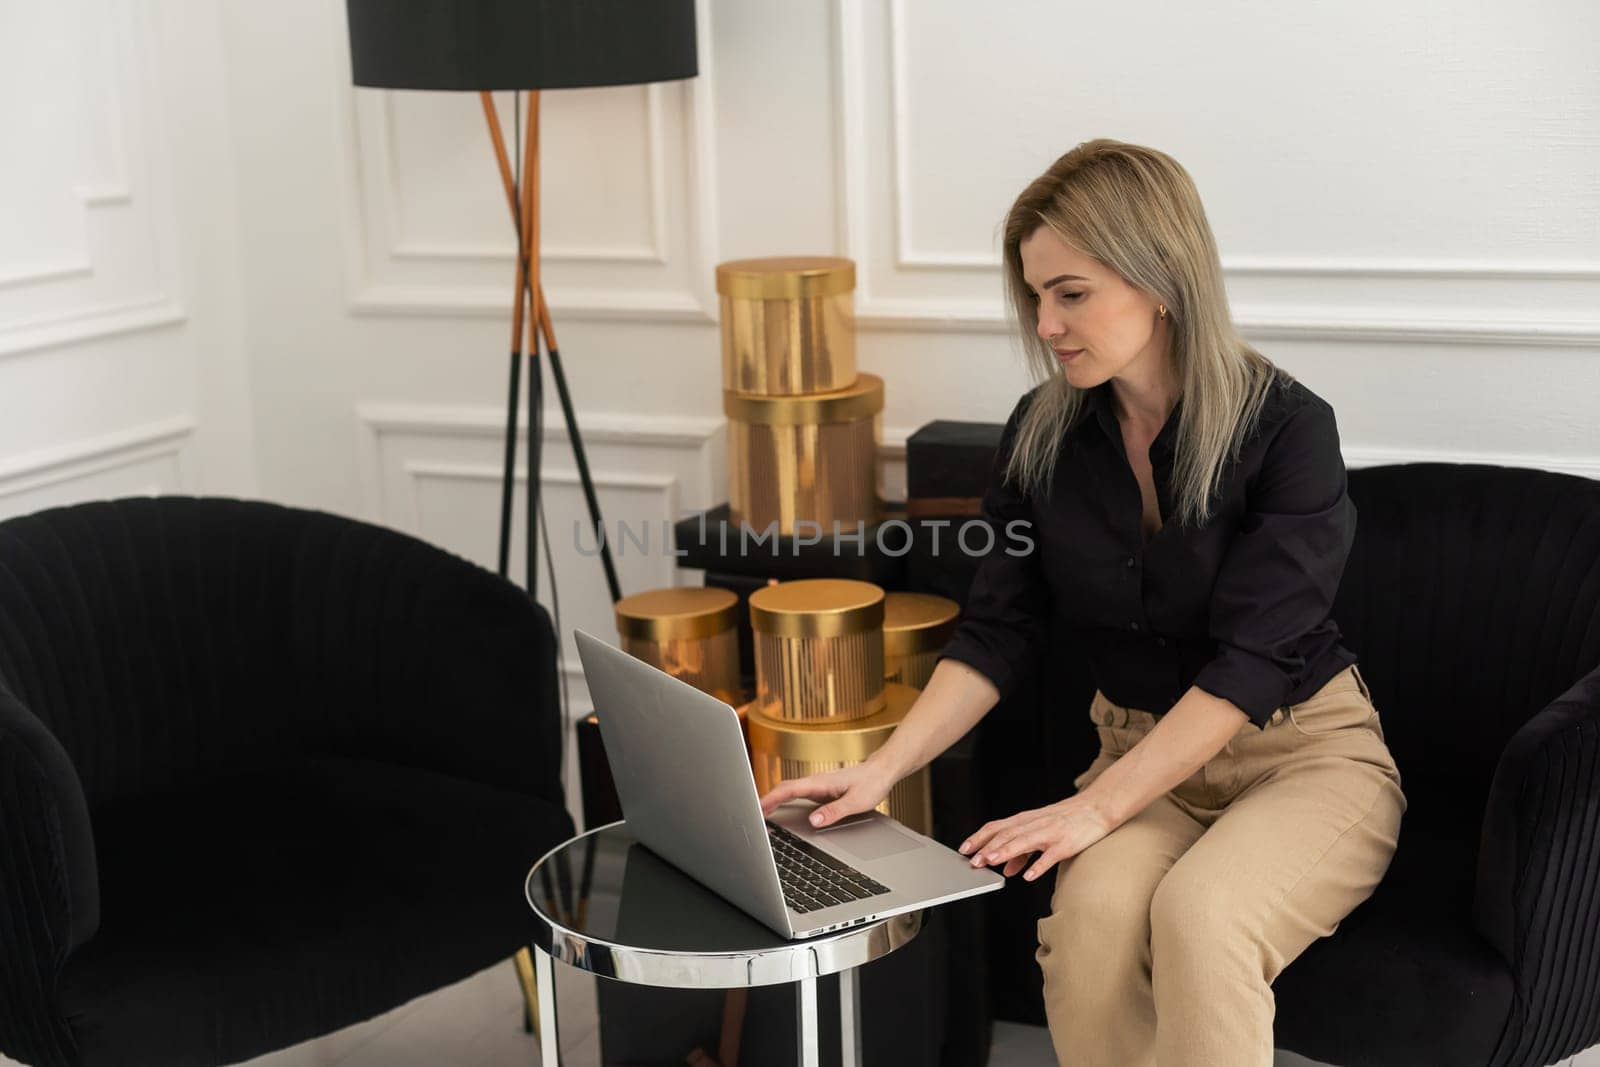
1341,704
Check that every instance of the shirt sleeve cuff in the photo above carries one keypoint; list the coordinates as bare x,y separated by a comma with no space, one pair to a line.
992,666
1251,683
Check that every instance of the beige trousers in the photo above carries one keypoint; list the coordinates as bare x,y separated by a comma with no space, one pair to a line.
1165,936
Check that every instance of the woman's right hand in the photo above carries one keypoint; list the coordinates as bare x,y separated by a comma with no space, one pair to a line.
847,791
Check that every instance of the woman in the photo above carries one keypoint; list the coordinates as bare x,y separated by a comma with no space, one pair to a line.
1187,506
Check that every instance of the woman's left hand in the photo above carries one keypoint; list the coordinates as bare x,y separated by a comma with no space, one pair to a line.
1057,832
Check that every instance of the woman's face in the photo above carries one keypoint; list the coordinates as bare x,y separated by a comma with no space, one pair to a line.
1100,326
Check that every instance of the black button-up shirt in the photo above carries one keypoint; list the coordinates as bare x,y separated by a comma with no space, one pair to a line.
1238,606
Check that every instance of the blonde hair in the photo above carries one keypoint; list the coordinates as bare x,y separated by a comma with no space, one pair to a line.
1137,211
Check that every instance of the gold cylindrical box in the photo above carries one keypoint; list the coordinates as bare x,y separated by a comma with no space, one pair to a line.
811,458
818,649
781,751
916,627
788,324
688,631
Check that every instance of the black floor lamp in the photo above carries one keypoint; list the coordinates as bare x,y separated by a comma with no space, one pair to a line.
484,45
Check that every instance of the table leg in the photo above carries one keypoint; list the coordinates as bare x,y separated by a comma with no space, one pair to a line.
549,1050
849,1018
806,1000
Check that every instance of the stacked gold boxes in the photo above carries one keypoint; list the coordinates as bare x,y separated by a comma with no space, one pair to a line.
788,324
689,632
818,649
916,627
803,427
822,702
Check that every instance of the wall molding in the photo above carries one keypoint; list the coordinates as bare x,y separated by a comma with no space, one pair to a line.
1418,267
112,185
58,464
46,271
1415,322
476,302
1385,456
850,135
697,436
418,470
401,247
565,476
900,146
693,300
1374,269
423,463
125,110
1426,325
692,432
694,436
689,432
91,323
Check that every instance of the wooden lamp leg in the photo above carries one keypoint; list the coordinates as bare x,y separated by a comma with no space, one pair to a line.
530,246
523,961
516,340
523,205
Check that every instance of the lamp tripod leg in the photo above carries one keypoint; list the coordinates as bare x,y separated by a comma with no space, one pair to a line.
579,457
508,475
525,218
535,454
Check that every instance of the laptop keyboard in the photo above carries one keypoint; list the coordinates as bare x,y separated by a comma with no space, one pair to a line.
812,879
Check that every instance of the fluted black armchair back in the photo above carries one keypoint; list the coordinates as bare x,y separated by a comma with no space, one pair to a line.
1472,597
165,640
177,674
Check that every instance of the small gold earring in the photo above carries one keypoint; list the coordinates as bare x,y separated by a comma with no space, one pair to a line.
1163,310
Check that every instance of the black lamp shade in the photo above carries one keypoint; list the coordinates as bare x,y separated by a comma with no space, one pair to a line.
520,44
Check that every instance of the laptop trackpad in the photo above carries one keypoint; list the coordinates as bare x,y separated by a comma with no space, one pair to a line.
869,841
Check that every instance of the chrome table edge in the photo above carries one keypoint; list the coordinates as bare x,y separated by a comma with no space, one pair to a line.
793,961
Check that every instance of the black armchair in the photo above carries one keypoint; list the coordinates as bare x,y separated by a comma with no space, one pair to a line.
1472,597
264,773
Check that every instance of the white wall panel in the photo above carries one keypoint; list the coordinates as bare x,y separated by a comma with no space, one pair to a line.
627,200
91,252
145,461
1360,176
119,310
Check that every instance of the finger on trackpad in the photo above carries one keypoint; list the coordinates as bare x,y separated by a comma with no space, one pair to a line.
848,820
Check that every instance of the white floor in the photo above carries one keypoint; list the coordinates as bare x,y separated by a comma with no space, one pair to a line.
479,1022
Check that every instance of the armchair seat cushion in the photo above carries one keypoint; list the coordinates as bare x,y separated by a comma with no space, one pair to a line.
1407,979
295,899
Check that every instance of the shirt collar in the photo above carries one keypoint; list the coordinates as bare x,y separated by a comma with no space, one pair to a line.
1103,405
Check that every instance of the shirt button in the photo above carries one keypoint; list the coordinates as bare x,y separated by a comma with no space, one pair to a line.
1135,625
1162,642
1131,561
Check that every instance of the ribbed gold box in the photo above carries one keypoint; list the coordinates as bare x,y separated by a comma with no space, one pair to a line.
818,649
788,324
812,458
688,631
783,750
916,627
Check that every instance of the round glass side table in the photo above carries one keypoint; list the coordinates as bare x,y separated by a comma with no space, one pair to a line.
606,904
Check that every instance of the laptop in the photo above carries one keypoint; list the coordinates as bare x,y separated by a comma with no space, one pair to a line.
688,794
